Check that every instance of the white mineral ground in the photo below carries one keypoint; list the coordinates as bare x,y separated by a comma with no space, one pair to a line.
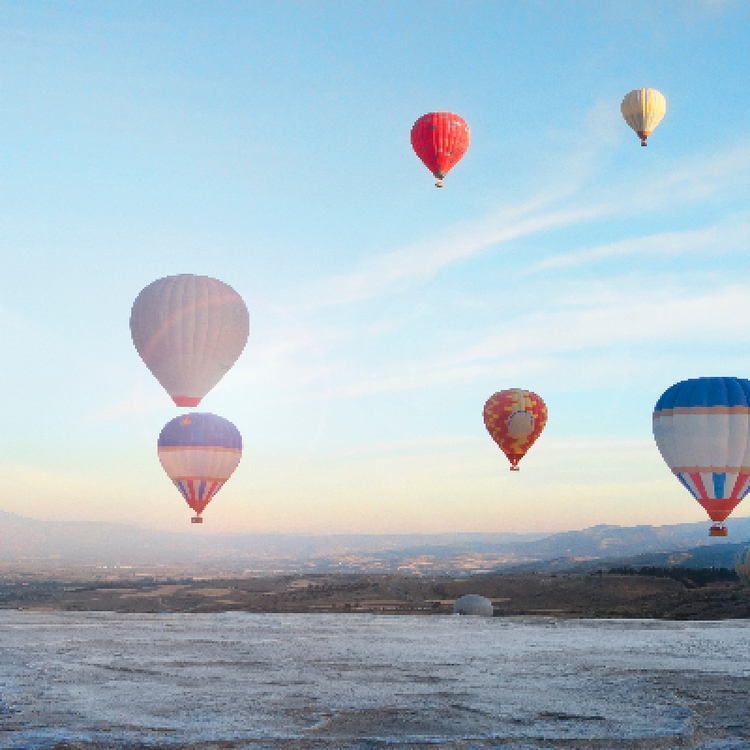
237,680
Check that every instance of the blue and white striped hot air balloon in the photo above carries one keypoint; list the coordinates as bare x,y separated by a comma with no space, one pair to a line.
199,452
702,430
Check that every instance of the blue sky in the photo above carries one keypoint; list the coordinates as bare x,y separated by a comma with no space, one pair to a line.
267,144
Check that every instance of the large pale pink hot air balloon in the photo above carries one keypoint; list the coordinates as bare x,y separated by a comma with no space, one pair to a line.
189,330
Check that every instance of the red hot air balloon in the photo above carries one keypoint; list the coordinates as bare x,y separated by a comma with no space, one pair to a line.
440,139
515,419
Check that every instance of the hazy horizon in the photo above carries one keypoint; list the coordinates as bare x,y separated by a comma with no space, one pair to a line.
208,532
92,550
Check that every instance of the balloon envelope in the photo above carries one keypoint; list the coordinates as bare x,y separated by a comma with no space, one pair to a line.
199,452
473,604
189,330
643,110
702,430
515,418
742,566
440,139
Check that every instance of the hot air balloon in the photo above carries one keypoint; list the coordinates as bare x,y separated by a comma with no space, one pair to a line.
515,419
643,110
199,452
742,565
440,139
189,330
702,430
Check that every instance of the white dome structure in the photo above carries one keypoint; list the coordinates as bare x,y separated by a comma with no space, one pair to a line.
473,604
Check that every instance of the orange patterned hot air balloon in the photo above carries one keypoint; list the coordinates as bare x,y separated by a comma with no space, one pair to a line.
440,139
515,419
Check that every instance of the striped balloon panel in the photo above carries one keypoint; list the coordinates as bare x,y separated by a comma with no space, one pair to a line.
643,109
199,463
198,492
742,566
189,330
692,437
719,492
515,418
440,139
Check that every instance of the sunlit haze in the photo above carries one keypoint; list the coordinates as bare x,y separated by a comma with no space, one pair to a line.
267,145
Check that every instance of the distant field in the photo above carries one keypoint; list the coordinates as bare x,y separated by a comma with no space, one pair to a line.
652,593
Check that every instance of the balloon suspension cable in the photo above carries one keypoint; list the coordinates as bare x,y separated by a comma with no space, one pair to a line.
196,519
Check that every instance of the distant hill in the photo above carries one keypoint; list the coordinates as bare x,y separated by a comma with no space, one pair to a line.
28,544
709,556
603,542
705,556
86,542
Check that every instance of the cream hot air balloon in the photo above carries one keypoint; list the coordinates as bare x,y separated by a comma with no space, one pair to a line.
643,110
189,330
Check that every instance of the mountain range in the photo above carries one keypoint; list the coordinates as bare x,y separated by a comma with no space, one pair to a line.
34,545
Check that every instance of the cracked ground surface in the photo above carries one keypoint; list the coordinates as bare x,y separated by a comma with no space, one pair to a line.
238,680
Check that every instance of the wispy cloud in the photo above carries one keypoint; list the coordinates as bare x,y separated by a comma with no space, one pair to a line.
128,408
544,342
396,270
300,355
400,446
569,203
613,319
714,239
694,179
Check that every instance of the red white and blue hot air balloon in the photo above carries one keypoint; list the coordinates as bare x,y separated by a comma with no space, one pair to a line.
199,452
189,330
702,430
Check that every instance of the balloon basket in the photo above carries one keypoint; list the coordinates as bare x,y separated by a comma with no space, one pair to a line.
439,183
718,530
196,519
515,468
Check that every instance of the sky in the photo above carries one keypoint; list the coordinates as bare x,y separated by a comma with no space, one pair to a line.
267,145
